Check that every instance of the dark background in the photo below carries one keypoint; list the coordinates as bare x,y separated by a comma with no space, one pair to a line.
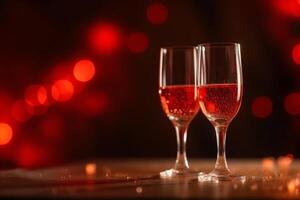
41,41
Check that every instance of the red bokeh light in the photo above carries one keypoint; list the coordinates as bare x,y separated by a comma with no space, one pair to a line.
292,103
62,90
91,169
288,7
138,42
262,107
29,155
36,95
157,13
105,38
20,112
296,54
42,95
94,103
6,133
84,70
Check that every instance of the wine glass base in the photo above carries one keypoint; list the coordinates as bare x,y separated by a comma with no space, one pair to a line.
220,177
174,173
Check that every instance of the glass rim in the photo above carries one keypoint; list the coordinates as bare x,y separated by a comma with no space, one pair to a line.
179,47
219,44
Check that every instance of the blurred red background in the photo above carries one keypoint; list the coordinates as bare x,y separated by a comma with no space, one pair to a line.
78,79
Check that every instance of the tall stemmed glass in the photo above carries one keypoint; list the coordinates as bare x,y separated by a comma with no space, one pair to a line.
179,99
220,95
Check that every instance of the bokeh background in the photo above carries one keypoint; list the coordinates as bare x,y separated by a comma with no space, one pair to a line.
79,79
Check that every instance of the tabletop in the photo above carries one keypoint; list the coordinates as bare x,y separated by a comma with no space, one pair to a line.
127,179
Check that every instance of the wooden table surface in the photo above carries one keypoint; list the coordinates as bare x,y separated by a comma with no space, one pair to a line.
139,179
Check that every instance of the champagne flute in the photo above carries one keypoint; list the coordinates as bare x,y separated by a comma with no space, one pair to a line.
220,84
179,99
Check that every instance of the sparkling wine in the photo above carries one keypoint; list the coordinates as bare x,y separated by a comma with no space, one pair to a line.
180,103
220,102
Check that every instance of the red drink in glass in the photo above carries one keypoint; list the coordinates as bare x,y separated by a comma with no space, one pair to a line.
220,102
180,103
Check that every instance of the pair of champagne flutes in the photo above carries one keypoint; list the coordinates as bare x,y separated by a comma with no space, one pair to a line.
206,77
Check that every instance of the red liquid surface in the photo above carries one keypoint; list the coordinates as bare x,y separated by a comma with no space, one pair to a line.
180,103
220,102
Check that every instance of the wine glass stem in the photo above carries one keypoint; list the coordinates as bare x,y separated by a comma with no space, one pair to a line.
221,164
181,160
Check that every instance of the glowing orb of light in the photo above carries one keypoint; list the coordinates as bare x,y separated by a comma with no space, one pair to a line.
28,155
262,107
105,38
157,13
90,169
42,95
6,133
36,95
288,7
292,103
138,42
62,90
20,112
84,70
